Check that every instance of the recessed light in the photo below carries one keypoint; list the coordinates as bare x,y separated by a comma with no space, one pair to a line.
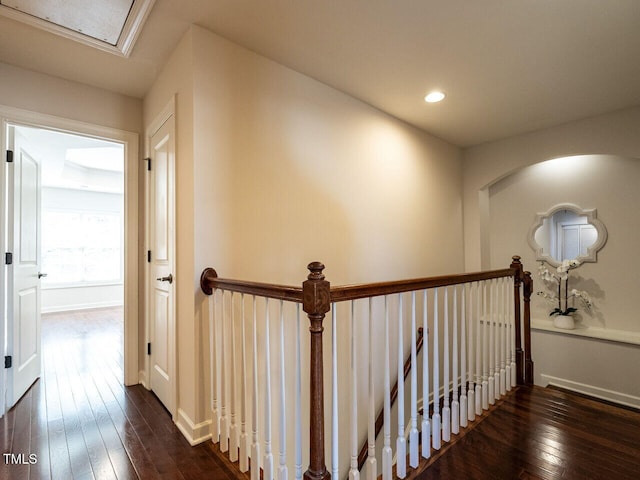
434,97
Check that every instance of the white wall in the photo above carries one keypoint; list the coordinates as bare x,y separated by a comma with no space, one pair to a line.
502,194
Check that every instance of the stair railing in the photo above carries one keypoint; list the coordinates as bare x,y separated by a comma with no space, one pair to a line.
482,359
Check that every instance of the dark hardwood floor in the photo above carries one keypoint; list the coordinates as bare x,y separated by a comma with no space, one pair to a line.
80,422
546,433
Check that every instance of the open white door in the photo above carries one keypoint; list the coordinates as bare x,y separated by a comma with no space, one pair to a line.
161,228
23,274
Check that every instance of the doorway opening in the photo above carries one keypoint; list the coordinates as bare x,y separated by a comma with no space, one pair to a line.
87,260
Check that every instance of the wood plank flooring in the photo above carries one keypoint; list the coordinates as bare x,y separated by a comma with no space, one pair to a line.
80,422
545,433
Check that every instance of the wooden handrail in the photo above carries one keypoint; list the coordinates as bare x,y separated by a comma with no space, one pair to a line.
317,295
355,292
209,281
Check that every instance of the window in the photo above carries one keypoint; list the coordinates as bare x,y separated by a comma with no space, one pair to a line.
81,247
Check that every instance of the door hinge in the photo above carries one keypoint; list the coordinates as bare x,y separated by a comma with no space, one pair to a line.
9,156
8,360
8,258
148,160
148,348
149,256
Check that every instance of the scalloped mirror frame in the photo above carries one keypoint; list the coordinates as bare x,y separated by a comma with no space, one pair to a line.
591,215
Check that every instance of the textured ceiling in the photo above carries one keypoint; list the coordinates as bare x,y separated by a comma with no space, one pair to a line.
507,67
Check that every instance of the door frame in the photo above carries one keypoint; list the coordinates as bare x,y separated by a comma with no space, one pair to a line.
145,374
15,116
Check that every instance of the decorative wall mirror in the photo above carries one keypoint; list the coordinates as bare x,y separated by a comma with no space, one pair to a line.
567,232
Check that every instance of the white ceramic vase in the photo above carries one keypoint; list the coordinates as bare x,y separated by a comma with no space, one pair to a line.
564,321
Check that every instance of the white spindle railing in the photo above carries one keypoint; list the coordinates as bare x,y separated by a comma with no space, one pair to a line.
244,453
255,443
386,449
233,427
224,426
267,463
426,422
413,432
354,473
401,442
467,342
334,393
372,464
455,404
283,471
436,428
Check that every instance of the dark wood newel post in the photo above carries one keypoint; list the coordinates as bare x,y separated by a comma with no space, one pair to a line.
528,362
316,302
517,279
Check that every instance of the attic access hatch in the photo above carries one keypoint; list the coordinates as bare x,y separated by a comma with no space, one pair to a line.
110,25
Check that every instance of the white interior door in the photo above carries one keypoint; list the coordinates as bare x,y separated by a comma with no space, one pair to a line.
161,304
23,274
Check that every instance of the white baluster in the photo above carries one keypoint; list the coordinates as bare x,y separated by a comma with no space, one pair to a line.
503,337
354,473
485,350
244,454
446,410
401,442
255,444
224,421
334,393
426,423
233,428
471,413
436,428
372,467
463,360
298,412
386,449
491,325
455,405
496,323
413,432
214,365
268,454
514,376
507,329
479,354
283,472
510,333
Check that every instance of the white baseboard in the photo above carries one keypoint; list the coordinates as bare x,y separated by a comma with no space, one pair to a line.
142,379
593,391
194,433
82,306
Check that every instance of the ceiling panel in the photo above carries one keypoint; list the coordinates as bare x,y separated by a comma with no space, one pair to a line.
99,19
110,25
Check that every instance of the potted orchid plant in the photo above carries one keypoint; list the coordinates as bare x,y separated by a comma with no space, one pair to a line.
563,312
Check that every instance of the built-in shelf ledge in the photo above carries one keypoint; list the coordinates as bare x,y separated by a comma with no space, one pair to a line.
621,336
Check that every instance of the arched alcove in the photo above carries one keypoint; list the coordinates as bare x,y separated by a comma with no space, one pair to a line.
608,183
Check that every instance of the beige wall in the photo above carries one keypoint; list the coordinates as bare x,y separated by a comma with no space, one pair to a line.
505,186
41,93
285,170
176,81
313,175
